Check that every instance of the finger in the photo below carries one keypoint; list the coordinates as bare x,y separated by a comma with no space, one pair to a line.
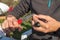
5,24
48,18
16,25
40,29
32,22
10,25
34,15
43,24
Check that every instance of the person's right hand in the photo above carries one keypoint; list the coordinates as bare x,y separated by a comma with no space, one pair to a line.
10,24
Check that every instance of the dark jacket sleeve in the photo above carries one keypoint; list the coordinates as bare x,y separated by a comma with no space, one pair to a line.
20,9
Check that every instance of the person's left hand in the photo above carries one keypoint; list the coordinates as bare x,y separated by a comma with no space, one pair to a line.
50,26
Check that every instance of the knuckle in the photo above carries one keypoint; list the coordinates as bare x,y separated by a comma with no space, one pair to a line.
46,31
47,26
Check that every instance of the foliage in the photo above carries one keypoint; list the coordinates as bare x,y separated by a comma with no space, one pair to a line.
26,26
16,34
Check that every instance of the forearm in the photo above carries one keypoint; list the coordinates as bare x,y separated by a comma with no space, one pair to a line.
20,9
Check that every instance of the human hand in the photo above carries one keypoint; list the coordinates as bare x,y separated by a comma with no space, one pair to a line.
10,24
50,26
